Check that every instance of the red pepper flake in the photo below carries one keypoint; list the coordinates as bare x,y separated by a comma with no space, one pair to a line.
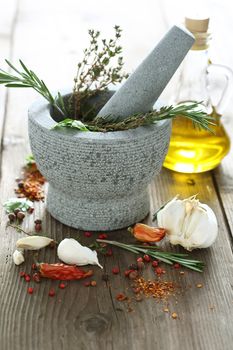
62,285
27,278
140,259
109,252
103,236
127,272
36,277
87,234
146,258
155,263
158,270
30,290
51,292
22,274
93,283
199,285
174,315
176,266
115,270
160,290
34,267
121,297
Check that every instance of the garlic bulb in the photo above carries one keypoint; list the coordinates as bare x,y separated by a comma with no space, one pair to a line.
72,252
18,257
33,242
189,223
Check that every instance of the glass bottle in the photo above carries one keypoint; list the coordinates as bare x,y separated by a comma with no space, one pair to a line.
191,150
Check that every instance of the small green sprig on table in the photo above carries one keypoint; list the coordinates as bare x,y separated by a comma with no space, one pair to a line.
153,251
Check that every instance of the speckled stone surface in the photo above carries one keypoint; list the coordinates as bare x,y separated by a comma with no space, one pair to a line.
97,181
146,83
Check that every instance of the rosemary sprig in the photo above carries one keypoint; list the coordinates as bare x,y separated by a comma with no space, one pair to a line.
27,78
155,252
199,118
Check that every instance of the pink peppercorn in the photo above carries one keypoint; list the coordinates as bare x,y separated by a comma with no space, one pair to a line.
115,270
51,292
87,234
27,278
62,285
103,236
146,258
155,263
30,290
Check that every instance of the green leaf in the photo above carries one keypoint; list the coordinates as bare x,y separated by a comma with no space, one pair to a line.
13,203
71,123
24,67
13,67
30,159
18,85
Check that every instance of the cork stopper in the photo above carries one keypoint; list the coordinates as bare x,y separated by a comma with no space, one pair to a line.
197,25
199,28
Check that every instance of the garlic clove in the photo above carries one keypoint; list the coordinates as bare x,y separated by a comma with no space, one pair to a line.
18,257
72,252
33,242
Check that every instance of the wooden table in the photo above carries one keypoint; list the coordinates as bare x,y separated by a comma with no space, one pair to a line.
49,37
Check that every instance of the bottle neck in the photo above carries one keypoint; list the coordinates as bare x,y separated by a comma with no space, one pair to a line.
192,85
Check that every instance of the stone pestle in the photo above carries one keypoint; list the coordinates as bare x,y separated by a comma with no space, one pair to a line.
146,83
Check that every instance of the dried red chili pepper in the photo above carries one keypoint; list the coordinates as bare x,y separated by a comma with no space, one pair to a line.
145,233
62,272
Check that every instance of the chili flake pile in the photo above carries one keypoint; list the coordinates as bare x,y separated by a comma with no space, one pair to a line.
157,289
31,185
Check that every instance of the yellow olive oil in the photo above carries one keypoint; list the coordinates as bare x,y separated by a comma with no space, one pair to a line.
196,151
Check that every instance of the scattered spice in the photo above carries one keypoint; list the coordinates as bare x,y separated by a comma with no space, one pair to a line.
121,297
22,274
51,292
199,285
31,185
158,270
87,234
140,265
138,297
36,277
34,267
166,309
146,258
133,274
115,270
140,259
30,290
93,283
174,315
109,252
182,272
133,266
103,236
156,289
27,278
127,272
62,285
176,266
155,263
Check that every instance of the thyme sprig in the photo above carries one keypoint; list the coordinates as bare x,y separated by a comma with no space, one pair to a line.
199,118
101,66
28,79
153,251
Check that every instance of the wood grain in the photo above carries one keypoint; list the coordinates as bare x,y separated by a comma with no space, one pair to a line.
91,318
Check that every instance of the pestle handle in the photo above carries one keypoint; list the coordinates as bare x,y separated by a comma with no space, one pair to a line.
146,83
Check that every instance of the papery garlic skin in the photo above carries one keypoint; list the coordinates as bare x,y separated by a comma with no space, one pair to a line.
72,252
33,242
18,257
189,223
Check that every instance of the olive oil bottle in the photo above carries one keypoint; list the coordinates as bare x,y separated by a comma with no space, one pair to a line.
191,150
